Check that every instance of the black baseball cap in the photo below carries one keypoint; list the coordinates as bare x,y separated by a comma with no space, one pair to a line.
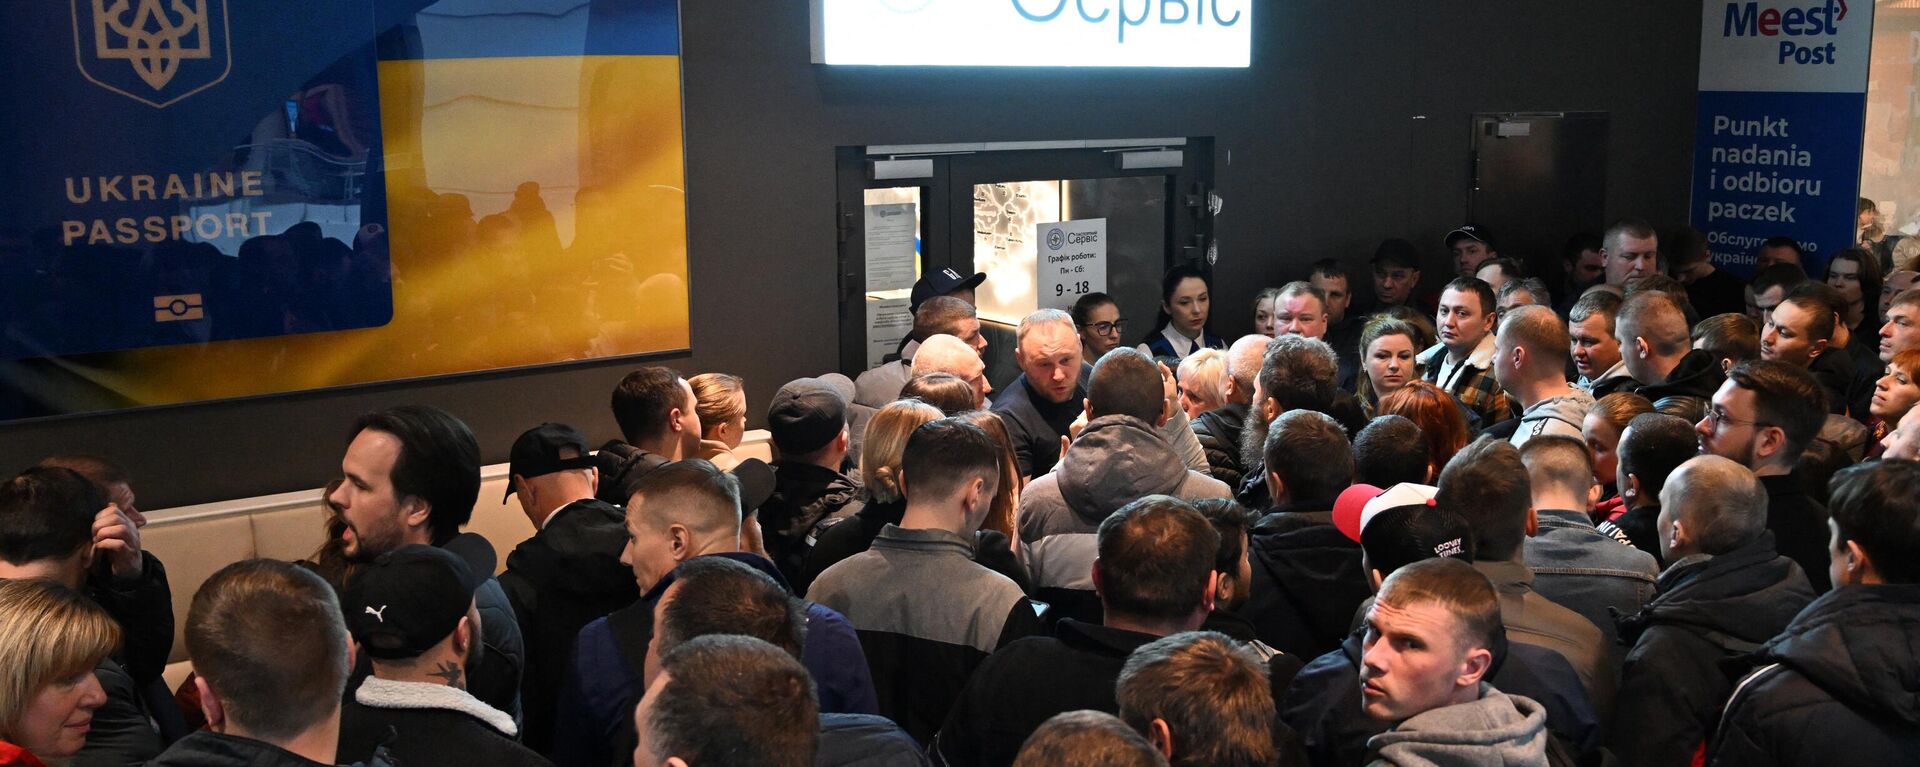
1397,252
1474,232
805,415
539,450
407,600
1403,535
940,282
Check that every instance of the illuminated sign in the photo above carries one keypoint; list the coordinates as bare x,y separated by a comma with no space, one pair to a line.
1034,33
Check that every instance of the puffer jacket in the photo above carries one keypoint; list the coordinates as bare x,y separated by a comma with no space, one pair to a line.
558,581
807,499
1219,433
1843,687
1709,611
1116,460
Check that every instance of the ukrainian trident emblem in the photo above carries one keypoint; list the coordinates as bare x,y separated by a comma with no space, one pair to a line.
156,52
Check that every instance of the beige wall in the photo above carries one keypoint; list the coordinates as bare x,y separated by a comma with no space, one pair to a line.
196,541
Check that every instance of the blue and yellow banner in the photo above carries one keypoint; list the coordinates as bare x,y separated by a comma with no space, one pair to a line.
272,201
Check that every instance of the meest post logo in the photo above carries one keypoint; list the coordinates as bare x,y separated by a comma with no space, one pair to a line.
1793,24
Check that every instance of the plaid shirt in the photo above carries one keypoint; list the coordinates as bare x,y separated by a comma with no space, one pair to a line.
1473,384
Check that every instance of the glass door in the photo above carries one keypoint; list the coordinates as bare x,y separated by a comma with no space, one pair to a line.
986,211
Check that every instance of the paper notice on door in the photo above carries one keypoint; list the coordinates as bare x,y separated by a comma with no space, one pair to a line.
893,236
1072,261
888,321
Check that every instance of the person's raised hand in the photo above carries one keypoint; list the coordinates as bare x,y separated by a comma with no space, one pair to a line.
116,539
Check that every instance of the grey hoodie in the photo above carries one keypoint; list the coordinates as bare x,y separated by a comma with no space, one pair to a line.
1115,461
1555,415
1498,730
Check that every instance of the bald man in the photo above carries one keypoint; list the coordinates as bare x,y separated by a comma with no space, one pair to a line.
942,353
1219,429
1726,593
1530,362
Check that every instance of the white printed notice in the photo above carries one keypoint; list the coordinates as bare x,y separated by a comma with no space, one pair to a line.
888,321
1072,261
1782,112
893,237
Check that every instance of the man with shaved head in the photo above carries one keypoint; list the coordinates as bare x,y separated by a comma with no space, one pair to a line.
1219,429
1658,352
936,316
946,354
1726,592
1575,565
1530,362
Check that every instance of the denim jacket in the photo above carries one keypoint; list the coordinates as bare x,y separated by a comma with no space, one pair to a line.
1589,572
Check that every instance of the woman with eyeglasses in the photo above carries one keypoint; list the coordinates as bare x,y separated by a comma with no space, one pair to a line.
1100,324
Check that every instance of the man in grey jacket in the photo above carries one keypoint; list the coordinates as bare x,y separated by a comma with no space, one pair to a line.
1432,637
1118,458
1530,362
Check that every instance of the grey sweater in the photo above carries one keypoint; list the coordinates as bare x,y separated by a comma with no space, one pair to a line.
1498,730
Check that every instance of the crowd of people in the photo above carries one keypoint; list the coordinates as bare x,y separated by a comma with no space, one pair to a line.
1650,514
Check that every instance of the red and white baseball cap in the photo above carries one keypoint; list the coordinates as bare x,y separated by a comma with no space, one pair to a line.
1357,504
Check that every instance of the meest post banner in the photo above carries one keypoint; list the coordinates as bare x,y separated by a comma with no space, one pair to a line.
1782,113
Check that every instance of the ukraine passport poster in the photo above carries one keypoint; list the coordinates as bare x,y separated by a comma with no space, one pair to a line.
207,199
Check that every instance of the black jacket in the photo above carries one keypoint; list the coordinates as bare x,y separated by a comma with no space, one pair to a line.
143,606
124,727
427,725
1023,684
807,500
1036,425
122,732
1835,371
621,467
1840,690
1799,525
1324,707
212,749
1689,386
1307,580
1636,527
558,581
865,740
1219,433
1709,610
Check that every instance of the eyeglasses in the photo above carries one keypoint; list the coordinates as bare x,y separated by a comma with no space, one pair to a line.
1717,416
1107,328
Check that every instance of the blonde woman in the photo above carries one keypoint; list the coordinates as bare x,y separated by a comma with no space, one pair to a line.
721,402
885,504
1203,382
50,640
1388,350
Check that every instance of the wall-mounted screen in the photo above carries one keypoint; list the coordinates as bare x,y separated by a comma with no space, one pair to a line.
210,199
1034,33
